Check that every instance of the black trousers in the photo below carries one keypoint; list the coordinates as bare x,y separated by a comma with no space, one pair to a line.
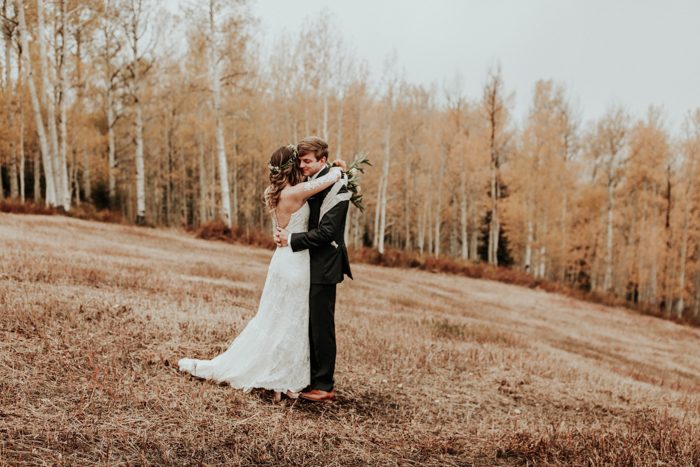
322,335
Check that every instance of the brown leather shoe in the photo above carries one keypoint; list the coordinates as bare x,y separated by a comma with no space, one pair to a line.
317,395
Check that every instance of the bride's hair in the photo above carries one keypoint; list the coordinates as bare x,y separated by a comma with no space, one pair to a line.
284,169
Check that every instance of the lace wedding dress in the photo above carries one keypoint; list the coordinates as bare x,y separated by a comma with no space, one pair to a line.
272,351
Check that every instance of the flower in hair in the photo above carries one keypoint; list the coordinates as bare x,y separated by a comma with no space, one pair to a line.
274,169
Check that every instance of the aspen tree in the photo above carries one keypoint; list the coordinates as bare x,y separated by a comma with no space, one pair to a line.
609,153
496,115
215,82
11,98
691,152
46,155
135,24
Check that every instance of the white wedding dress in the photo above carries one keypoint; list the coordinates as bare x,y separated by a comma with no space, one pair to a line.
272,351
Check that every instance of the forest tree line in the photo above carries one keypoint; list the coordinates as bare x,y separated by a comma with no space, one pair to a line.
170,118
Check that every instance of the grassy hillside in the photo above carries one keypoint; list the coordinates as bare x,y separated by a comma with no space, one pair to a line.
432,368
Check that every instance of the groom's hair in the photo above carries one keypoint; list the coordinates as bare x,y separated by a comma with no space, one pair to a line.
315,145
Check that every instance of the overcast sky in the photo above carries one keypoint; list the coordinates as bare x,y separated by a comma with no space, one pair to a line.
629,52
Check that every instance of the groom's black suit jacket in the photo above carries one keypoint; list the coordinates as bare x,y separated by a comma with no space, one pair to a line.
329,262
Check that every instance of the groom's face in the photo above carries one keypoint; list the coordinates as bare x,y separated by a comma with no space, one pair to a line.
309,165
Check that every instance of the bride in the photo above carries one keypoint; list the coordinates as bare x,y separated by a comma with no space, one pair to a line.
272,351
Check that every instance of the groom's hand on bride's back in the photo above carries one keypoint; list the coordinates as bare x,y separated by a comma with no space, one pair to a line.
280,237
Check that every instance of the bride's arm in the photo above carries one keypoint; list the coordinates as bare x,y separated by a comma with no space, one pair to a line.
303,191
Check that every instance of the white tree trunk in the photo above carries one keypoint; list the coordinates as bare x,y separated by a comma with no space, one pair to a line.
75,179
140,169
542,260
202,179
528,246
135,35
421,227
607,281
385,183
50,196
216,96
438,206
22,157
48,95
680,304
429,222
564,238
213,174
107,54
409,189
9,115
63,87
234,179
464,234
493,225
87,181
531,215
377,212
111,145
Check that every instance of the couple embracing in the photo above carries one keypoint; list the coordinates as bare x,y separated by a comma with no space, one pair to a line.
289,345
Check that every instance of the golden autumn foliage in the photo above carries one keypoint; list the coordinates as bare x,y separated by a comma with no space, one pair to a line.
609,206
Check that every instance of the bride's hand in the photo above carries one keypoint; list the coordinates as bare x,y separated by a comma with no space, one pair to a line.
340,163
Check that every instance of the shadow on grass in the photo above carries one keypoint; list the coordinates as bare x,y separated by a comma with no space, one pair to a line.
366,403
360,404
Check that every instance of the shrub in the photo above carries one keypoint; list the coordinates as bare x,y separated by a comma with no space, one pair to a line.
14,206
83,211
218,230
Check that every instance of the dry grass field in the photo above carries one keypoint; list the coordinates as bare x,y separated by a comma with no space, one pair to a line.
432,369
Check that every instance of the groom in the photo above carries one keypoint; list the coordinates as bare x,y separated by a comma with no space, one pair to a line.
329,263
